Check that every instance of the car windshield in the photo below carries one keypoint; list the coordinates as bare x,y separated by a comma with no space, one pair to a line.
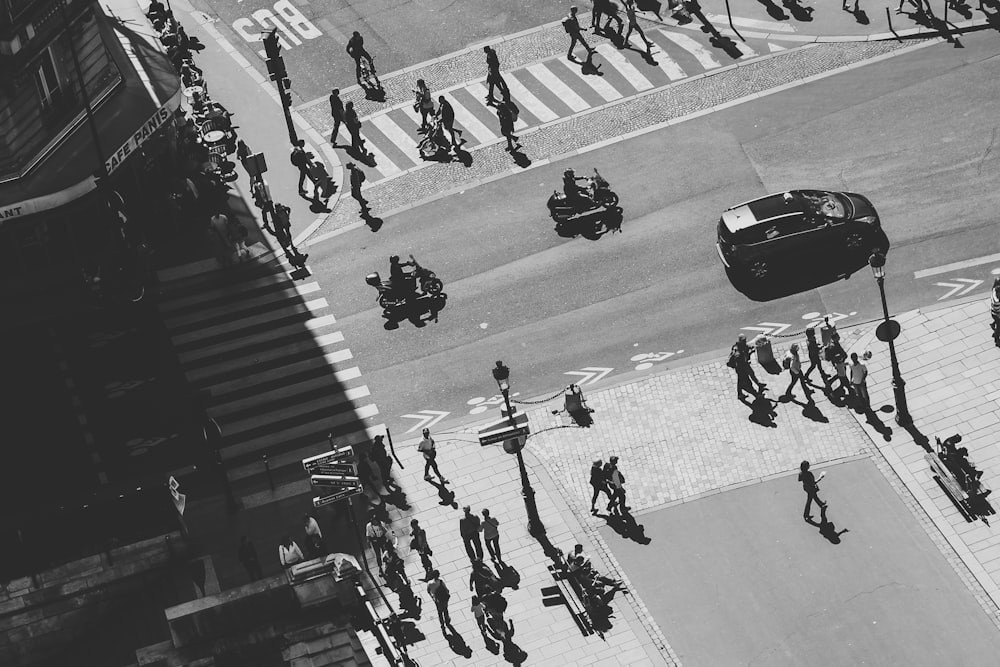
826,204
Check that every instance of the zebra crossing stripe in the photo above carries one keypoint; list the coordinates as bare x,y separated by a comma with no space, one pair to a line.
527,99
705,57
238,305
479,91
600,86
663,60
627,69
168,304
470,123
767,26
328,359
745,49
255,339
262,418
264,399
399,138
263,318
251,359
560,89
382,162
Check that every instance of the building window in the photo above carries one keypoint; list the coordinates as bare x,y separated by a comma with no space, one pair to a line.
46,81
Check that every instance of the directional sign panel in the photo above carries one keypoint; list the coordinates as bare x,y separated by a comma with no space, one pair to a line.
501,429
335,469
319,501
336,481
338,455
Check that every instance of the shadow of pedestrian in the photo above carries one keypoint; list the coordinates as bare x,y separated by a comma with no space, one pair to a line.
397,498
520,158
762,411
626,526
860,15
509,577
409,602
446,495
587,67
374,94
374,222
798,12
774,11
405,632
812,411
513,653
827,528
456,642
367,159
873,419
463,157
918,437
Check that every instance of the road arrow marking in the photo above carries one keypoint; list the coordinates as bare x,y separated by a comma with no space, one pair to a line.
427,418
963,287
768,328
590,374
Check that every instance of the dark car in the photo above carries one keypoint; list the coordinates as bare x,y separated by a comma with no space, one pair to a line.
757,235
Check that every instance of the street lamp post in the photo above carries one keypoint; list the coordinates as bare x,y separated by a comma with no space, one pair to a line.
535,527
887,332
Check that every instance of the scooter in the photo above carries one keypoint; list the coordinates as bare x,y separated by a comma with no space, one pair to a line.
392,297
599,195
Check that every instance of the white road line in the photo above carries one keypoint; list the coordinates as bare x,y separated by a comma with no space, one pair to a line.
479,91
600,86
745,50
627,69
663,60
705,57
954,266
395,134
383,164
560,89
767,26
470,123
524,97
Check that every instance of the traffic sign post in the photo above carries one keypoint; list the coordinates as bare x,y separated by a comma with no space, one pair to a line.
334,472
511,426
319,501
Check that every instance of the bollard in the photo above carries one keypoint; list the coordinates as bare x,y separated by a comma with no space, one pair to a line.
267,469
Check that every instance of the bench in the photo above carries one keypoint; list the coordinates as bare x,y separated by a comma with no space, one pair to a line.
567,591
946,480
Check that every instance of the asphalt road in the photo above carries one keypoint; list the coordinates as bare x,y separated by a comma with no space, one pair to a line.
911,132
738,578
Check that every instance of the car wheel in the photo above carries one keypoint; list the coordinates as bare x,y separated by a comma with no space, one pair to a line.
759,269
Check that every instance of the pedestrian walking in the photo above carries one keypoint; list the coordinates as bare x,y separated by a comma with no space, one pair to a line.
423,103
337,113
418,543
995,311
633,24
283,232
599,482
468,527
378,537
483,581
314,536
353,125
491,533
811,486
242,152
859,377
357,178
493,77
356,50
793,363
836,355
300,160
740,360
446,115
505,115
479,613
815,356
248,557
382,459
429,450
616,482
289,553
572,27
323,185
440,594
605,8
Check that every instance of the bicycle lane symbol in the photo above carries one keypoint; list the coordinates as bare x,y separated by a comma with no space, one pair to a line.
483,404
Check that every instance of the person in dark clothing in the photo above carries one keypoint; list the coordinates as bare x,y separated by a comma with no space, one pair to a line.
482,580
493,77
506,117
337,113
356,50
740,354
382,459
446,114
440,594
418,542
815,356
469,526
248,556
811,486
572,27
300,160
353,125
357,177
605,8
600,484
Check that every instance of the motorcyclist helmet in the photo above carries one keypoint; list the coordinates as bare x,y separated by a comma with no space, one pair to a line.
394,259
569,173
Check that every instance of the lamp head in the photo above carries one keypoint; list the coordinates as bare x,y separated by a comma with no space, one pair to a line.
877,262
501,374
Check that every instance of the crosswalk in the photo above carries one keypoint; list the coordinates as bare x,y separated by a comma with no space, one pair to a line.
547,91
270,366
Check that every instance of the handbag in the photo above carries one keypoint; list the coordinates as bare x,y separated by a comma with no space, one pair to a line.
733,360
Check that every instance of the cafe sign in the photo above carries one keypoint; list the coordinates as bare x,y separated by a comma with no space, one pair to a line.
138,138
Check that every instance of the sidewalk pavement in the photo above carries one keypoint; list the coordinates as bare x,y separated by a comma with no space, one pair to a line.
951,368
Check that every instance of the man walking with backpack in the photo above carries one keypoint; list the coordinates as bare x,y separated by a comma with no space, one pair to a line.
300,160
572,27
357,177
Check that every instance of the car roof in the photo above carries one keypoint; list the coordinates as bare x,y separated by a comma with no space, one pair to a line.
763,209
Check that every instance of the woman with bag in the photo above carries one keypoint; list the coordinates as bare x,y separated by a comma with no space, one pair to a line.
423,103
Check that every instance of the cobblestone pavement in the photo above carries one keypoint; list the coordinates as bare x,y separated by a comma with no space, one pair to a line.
590,128
952,373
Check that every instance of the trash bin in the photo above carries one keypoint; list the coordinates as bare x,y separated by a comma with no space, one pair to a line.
765,354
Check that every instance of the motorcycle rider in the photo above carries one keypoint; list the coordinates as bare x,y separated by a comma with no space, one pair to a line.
575,195
403,282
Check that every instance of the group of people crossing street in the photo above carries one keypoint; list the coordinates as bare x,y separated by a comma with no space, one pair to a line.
606,478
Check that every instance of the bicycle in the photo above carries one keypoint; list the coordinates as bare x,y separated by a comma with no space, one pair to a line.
367,77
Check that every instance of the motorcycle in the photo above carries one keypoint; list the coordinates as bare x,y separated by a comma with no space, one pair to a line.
392,297
599,195
217,134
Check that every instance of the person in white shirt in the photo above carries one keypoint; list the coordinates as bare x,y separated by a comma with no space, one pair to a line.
427,448
859,375
795,370
289,553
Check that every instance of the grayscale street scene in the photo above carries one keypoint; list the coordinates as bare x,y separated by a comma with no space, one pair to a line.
453,332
